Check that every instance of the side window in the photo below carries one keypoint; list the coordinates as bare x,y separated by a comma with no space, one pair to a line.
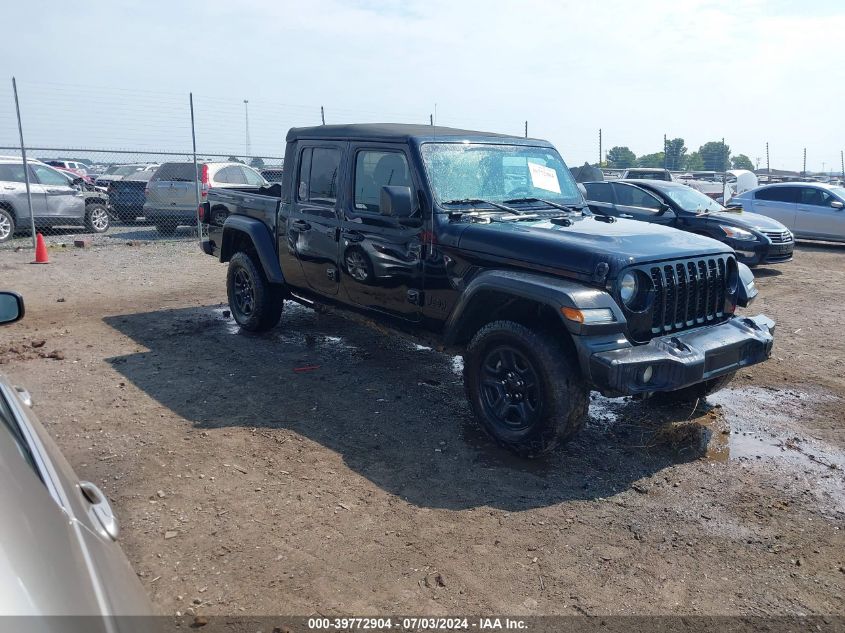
47,176
599,192
304,174
778,194
9,431
11,172
817,197
630,196
374,170
322,182
231,175
252,177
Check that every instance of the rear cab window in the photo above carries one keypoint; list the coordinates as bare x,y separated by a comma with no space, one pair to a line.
319,169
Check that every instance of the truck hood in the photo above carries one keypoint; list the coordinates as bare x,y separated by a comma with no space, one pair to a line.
746,220
580,247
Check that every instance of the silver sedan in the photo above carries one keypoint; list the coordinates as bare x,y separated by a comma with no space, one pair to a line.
58,549
811,210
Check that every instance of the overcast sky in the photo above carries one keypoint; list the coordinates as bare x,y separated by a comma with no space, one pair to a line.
117,74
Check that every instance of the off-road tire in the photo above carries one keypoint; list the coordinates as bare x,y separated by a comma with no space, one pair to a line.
262,309
97,218
562,397
7,225
693,392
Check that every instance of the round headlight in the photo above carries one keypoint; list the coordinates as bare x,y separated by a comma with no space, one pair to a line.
628,287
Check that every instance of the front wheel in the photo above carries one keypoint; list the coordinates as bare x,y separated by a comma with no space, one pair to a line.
525,388
256,304
96,218
7,225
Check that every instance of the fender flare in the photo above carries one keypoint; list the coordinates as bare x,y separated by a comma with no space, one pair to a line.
262,241
550,291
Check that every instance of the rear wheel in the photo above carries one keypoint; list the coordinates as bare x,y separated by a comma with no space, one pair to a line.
524,387
96,218
7,225
255,303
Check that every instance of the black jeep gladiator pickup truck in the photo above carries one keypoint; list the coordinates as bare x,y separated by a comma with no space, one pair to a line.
484,243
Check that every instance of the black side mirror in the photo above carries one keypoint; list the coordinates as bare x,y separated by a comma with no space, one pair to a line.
11,307
396,201
664,208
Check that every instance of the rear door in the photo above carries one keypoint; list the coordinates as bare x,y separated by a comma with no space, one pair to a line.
172,186
63,200
13,190
779,203
381,256
313,229
815,217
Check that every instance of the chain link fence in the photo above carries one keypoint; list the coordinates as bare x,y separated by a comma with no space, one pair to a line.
115,194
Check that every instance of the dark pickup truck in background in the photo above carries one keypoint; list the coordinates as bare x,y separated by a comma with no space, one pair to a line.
484,243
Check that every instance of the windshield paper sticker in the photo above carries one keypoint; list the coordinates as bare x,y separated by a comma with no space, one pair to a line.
543,177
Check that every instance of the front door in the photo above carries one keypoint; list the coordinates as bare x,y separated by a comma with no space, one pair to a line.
636,203
380,256
64,202
816,218
312,228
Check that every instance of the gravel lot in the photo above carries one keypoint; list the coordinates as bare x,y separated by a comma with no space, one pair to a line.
363,486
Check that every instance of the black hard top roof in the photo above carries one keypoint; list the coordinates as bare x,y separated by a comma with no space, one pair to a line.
397,132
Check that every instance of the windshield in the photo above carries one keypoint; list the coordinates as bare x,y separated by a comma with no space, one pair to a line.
498,173
692,200
126,170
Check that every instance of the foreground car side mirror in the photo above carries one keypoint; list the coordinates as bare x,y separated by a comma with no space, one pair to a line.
11,307
396,201
837,204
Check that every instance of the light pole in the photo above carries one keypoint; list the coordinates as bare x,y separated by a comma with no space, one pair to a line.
246,118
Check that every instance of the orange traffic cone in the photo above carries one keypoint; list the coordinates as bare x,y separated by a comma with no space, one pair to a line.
41,256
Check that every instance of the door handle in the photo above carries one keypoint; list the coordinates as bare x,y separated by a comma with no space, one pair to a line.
353,236
101,509
626,215
301,225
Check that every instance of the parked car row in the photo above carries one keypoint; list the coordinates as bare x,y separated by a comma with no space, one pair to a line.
164,194
761,225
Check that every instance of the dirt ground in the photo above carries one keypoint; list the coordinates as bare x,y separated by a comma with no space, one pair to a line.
363,486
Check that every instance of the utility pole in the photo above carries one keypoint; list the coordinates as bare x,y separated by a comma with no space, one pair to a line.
724,162
841,158
665,154
25,168
600,154
322,115
526,129
431,119
768,164
804,171
246,115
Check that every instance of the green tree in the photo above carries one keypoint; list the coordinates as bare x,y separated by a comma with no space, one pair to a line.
693,162
257,162
620,157
741,161
651,160
675,153
234,159
715,155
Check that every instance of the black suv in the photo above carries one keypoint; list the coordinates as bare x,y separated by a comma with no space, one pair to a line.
484,243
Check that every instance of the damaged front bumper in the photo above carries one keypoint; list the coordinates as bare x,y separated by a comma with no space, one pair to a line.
679,360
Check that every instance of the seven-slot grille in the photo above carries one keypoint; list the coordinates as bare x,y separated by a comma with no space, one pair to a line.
779,237
688,293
